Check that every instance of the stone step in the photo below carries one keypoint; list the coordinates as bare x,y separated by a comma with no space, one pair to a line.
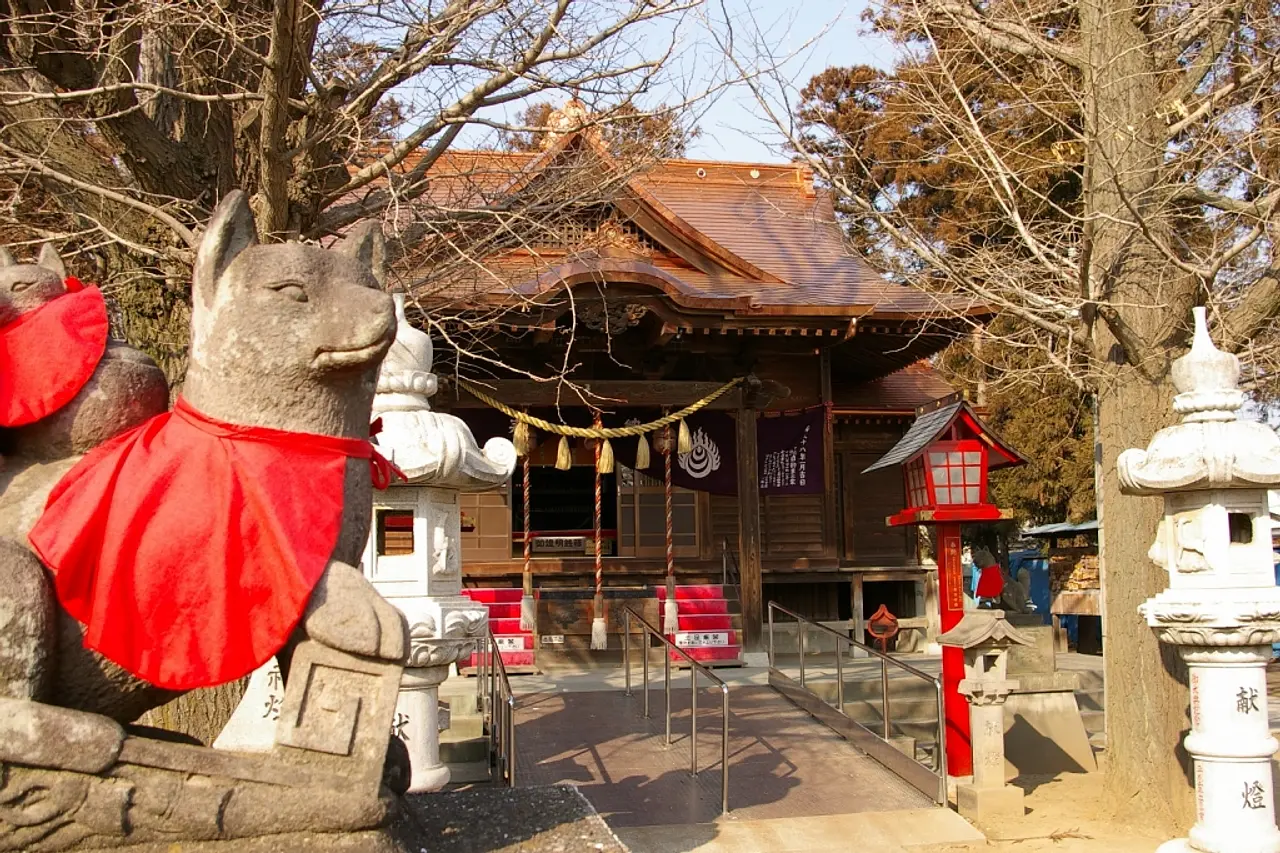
695,591
712,655
496,595
462,728
464,751
468,773
1094,721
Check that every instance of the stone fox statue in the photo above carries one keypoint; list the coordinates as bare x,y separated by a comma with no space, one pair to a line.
213,559
65,387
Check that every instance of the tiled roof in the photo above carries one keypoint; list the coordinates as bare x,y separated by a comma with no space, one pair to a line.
779,222
901,391
777,235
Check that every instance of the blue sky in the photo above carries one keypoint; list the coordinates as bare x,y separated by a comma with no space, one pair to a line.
733,127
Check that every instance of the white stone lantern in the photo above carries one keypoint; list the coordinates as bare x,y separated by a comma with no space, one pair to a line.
1222,607
413,556
986,637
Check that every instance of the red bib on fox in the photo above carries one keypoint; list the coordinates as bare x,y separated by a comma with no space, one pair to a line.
47,355
189,547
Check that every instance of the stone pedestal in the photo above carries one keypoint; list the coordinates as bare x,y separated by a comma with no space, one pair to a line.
418,722
1222,607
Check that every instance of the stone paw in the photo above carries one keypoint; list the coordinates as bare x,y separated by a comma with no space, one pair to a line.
348,614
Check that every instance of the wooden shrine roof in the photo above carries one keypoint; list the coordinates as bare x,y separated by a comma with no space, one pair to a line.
736,239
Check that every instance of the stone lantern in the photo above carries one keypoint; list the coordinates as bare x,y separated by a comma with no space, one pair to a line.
985,638
1222,607
413,555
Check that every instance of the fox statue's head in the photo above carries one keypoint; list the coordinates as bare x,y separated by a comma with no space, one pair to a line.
25,287
287,335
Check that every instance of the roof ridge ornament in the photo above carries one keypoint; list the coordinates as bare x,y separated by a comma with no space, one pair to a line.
570,118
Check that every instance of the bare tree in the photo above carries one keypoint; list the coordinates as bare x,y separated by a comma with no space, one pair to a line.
129,120
1166,115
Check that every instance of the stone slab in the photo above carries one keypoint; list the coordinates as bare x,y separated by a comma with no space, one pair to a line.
1037,658
549,819
1045,735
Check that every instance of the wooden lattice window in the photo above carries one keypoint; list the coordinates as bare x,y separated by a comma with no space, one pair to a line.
642,516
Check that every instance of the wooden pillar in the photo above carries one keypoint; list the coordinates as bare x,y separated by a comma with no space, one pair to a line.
857,604
830,518
751,592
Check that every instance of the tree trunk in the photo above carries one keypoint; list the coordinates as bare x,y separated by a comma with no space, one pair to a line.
200,713
1139,296
1146,683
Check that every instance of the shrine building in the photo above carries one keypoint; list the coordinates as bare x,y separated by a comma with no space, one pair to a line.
691,274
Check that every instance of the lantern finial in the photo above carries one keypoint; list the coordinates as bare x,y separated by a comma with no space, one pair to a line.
1207,379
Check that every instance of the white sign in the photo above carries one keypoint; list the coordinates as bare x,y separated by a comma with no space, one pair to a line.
560,544
509,644
701,639
553,640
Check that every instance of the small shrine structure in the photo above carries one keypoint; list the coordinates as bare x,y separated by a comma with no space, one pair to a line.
945,458
1222,608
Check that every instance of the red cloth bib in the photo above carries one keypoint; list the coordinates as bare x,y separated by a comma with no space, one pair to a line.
189,547
990,582
47,355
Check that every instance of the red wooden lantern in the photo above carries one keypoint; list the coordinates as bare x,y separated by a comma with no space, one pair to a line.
945,459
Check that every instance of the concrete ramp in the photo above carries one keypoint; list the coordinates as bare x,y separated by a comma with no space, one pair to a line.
783,764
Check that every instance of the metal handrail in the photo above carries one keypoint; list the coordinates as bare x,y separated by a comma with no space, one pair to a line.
804,623
694,669
497,710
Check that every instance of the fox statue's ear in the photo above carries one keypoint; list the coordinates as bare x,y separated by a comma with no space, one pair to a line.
230,232
366,244
52,261
6,259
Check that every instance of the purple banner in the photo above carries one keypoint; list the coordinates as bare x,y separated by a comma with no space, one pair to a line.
710,467
789,449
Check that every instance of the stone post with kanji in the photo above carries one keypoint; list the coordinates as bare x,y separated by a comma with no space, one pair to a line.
1222,607
986,637
414,555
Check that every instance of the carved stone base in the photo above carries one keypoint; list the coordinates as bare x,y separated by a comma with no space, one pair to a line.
74,781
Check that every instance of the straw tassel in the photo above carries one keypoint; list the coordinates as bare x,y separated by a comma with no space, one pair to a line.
599,634
642,454
685,440
670,610
521,439
605,463
564,459
528,617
